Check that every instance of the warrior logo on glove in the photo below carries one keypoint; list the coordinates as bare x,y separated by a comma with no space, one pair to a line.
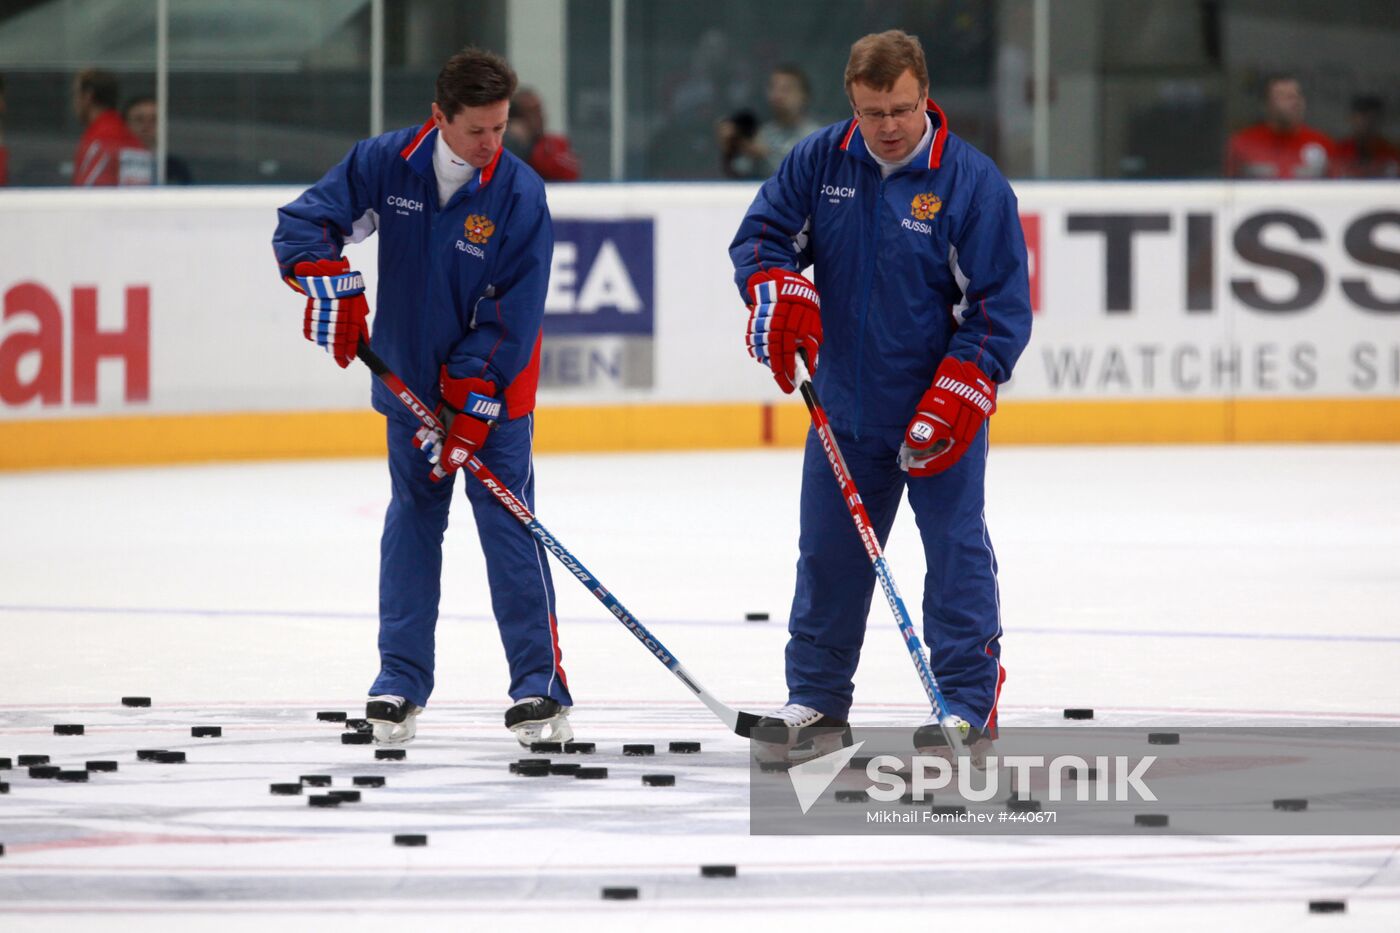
950,414
785,317
336,310
462,400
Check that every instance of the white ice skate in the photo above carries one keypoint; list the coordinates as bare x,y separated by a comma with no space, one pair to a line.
795,733
393,719
930,740
539,719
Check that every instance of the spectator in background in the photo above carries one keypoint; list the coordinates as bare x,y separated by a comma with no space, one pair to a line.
140,115
752,150
549,154
1366,153
108,153
1282,146
4,153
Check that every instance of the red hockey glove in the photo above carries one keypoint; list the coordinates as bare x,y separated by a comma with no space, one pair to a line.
335,306
467,411
785,317
950,414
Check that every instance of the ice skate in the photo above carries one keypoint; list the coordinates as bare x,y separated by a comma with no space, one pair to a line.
930,740
795,733
539,719
393,719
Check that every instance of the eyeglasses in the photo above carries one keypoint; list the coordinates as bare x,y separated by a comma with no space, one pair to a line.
878,116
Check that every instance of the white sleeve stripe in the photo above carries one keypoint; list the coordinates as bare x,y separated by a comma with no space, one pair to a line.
367,223
959,309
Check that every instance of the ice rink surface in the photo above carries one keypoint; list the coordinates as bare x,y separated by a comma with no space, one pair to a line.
1165,585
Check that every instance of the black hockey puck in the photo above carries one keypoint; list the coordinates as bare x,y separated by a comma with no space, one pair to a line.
101,766
6,764
771,766
72,777
169,758
410,839
684,748
755,617
68,728
331,716
286,790
719,871
1022,805
390,754
4,789
852,796
25,761
620,894
315,780
347,796
948,809
136,701
564,767
1079,713
323,800
367,780
43,771
358,725
545,748
206,732
591,774
532,770
356,738
529,763
1163,738
1291,803
1150,819
639,749
580,748
659,780
148,754
1327,907
1087,774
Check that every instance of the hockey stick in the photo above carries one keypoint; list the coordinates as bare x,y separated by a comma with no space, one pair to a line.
738,721
872,548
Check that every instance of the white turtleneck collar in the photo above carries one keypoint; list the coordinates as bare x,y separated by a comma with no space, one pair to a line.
889,168
452,173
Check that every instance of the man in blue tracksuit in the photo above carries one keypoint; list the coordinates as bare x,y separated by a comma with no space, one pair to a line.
920,291
465,242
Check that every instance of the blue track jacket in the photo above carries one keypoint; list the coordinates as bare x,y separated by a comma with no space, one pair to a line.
464,285
927,263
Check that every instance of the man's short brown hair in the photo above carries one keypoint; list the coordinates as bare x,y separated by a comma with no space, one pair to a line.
877,60
102,85
473,78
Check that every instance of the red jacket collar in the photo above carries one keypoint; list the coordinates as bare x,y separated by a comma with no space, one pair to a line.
854,142
419,154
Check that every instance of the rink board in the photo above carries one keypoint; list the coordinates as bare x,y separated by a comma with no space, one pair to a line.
153,323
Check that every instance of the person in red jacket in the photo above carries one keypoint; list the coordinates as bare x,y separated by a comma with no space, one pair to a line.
108,153
1366,153
1282,146
549,154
